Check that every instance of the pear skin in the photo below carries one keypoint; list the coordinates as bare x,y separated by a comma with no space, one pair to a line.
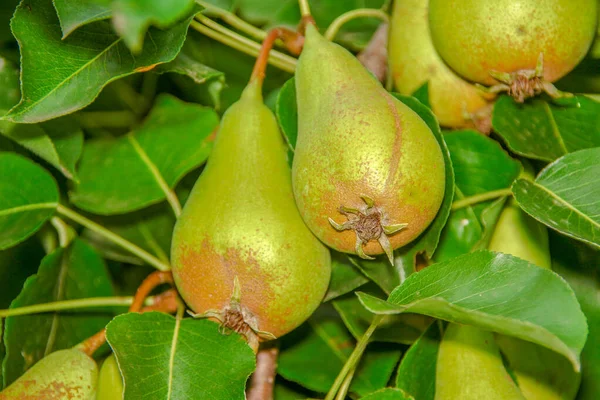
368,172
414,61
241,252
541,373
110,380
469,367
63,374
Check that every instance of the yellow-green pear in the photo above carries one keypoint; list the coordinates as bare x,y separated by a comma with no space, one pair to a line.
63,374
110,380
241,253
414,61
469,367
368,173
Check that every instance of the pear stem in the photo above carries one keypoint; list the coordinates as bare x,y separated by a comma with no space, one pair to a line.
148,285
233,20
337,24
478,198
346,385
304,8
245,45
354,358
293,41
116,239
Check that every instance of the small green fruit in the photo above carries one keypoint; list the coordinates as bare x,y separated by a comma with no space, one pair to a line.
110,380
476,37
64,374
367,170
469,367
414,61
240,223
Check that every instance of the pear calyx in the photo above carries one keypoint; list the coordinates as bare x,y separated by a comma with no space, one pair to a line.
368,225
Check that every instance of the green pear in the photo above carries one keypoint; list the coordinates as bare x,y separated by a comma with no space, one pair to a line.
241,253
368,173
414,61
469,367
110,380
541,373
63,374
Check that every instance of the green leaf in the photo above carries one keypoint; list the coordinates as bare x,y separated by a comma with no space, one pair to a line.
151,229
287,115
75,14
7,7
388,394
416,373
16,265
545,131
135,170
72,273
132,18
345,277
480,165
566,195
580,266
495,292
89,59
401,329
59,142
162,357
9,85
28,198
313,354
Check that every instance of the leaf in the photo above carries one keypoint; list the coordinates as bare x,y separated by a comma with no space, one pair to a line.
388,394
28,198
75,14
313,354
545,131
401,329
135,170
287,115
162,357
186,64
132,19
496,292
566,195
72,273
416,373
7,7
89,59
59,142
580,266
480,165
9,85
345,277
16,265
151,229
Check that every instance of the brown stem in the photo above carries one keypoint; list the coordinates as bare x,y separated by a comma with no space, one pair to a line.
263,379
148,285
304,22
292,40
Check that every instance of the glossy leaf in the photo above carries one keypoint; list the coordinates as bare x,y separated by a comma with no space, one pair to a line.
496,292
134,171
388,394
59,142
546,131
287,115
89,59
480,165
9,85
345,277
28,198
186,64
416,373
163,357
566,195
75,14
313,354
72,273
7,7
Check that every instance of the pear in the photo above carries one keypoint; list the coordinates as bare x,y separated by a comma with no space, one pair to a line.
241,253
63,374
110,380
541,373
368,173
414,61
469,367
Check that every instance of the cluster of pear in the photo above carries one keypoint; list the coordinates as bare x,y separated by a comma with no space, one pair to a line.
457,45
251,246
